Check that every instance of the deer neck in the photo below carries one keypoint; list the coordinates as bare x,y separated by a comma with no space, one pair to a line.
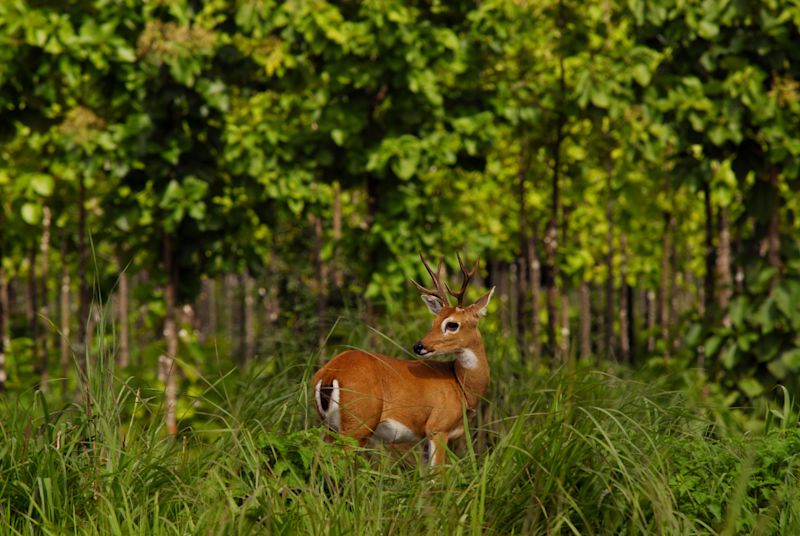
472,372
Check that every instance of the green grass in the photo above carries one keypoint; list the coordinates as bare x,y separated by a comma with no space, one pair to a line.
568,452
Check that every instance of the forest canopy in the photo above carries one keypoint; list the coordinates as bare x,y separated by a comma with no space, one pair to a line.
627,170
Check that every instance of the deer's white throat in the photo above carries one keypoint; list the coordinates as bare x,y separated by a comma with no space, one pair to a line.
467,358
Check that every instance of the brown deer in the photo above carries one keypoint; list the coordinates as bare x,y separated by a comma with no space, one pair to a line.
362,395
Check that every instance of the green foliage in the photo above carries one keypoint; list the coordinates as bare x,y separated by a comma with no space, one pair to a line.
756,347
578,451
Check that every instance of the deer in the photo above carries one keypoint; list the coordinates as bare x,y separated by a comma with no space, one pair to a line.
364,395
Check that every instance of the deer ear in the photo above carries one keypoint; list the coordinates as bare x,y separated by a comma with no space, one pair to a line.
434,304
482,304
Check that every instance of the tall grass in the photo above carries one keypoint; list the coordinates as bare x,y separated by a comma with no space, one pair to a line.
567,452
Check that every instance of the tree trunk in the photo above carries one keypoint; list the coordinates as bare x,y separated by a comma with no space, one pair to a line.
83,290
551,271
64,316
167,361
624,303
230,312
321,283
565,328
535,284
123,300
44,296
143,336
272,302
708,280
631,301
338,274
586,320
4,316
665,305
523,260
650,305
551,237
774,232
500,280
724,275
247,340
208,327
32,310
608,332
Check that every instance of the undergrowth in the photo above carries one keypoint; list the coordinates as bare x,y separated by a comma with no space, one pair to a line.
575,451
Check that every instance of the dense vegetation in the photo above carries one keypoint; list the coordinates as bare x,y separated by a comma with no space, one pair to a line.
200,201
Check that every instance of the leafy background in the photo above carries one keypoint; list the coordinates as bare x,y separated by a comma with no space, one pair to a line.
193,192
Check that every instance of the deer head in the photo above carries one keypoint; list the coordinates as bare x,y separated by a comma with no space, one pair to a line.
454,328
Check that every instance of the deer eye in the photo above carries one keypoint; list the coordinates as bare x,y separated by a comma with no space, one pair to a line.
451,326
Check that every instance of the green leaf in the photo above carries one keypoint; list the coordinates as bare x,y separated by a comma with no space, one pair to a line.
784,302
791,359
641,74
712,345
600,98
707,29
751,387
42,184
737,311
778,369
728,357
337,135
31,213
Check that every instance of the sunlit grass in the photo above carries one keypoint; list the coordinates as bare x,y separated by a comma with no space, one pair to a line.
572,452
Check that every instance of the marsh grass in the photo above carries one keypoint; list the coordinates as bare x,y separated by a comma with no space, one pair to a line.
575,451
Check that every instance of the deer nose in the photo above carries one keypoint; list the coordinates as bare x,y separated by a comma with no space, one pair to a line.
419,349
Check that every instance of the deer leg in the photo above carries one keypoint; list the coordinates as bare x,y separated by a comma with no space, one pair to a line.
437,448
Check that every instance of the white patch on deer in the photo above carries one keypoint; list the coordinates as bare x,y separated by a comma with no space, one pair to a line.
392,431
332,417
443,326
456,433
431,452
467,358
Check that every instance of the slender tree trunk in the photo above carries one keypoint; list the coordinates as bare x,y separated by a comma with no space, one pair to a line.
500,275
551,238
665,294
272,302
32,309
586,320
551,270
535,284
231,313
624,303
123,301
338,274
631,301
608,334
208,309
724,275
64,315
322,281
44,317
523,260
708,280
167,361
565,328
774,232
248,334
143,337
83,290
4,316
650,305
675,290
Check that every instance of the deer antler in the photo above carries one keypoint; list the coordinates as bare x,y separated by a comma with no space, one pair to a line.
467,276
439,291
